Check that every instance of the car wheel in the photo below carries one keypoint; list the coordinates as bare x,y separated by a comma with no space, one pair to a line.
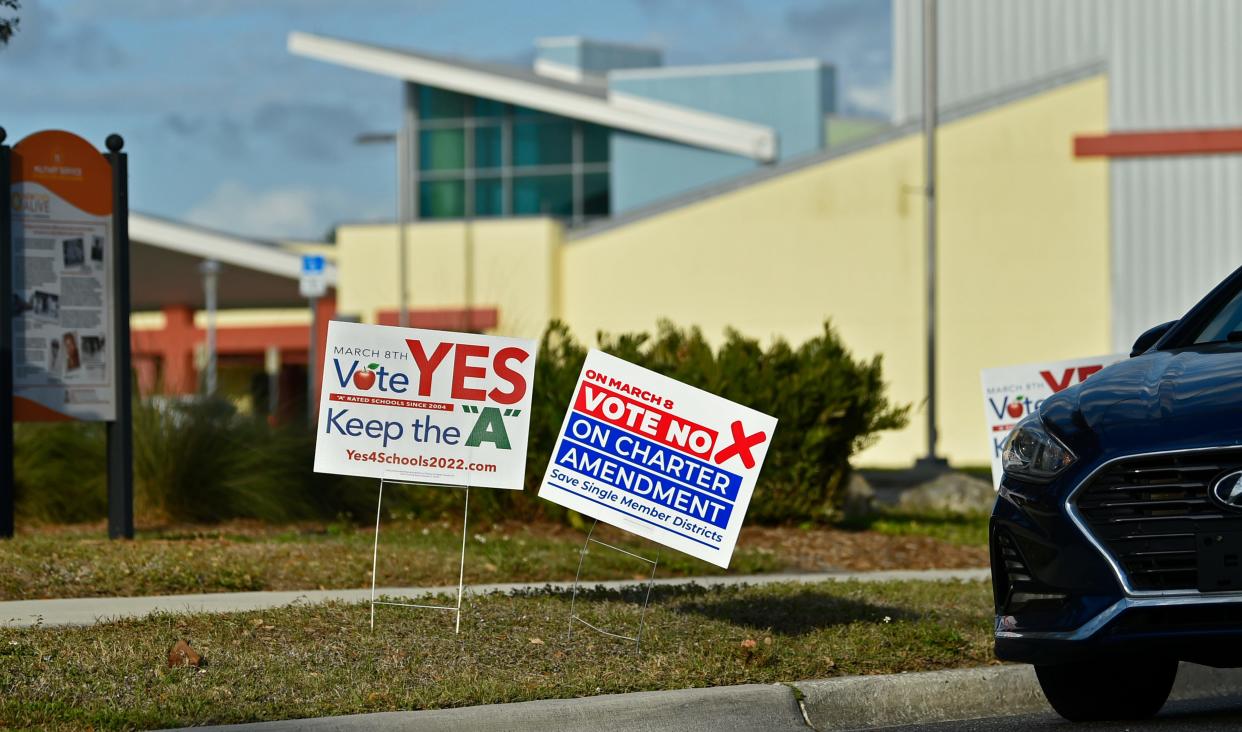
1117,688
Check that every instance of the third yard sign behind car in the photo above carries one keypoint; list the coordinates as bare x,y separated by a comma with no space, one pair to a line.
658,458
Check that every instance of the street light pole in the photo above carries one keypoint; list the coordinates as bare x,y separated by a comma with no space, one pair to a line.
929,214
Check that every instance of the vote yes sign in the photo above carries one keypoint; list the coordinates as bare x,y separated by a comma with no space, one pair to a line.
658,458
1013,393
425,406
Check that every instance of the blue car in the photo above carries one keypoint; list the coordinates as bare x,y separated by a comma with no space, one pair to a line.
1116,539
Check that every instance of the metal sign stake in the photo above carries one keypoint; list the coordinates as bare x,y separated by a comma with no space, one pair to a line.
461,569
642,614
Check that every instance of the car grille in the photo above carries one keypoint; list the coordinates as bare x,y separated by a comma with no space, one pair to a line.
1147,510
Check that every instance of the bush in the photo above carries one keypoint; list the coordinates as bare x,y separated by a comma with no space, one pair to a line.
194,460
200,460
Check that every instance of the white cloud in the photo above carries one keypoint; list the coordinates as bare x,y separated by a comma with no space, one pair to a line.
282,213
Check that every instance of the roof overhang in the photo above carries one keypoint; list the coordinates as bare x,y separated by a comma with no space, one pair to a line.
165,260
666,121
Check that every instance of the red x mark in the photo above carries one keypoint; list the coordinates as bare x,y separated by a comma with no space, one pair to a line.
741,445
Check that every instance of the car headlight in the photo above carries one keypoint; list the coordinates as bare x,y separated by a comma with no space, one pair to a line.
1033,454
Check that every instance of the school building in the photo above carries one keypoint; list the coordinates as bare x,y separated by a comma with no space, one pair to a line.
609,191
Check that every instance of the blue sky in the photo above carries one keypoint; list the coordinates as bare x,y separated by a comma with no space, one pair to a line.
226,129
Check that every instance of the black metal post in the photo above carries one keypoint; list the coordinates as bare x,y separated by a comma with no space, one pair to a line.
120,430
8,487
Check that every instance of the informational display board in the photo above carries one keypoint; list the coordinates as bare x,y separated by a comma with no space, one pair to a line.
658,458
425,406
64,363
1012,393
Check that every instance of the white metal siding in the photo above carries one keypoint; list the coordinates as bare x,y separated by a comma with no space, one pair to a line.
1176,226
989,45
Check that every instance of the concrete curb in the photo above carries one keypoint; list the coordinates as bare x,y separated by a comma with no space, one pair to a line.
721,709
860,702
89,610
849,703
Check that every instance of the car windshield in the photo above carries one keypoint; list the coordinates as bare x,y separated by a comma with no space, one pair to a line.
1226,322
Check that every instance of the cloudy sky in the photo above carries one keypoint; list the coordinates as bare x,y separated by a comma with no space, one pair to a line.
226,129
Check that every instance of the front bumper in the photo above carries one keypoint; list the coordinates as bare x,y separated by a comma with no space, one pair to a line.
1060,596
1200,629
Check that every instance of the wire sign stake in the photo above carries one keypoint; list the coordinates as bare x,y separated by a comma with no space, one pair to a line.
461,569
642,614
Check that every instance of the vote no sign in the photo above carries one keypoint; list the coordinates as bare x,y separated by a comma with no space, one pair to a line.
425,406
658,458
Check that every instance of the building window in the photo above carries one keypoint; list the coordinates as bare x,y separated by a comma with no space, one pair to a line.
550,195
442,199
544,142
489,197
442,149
488,153
595,195
594,143
440,104
481,157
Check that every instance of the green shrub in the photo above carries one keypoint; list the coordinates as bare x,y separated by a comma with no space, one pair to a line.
60,471
201,460
828,406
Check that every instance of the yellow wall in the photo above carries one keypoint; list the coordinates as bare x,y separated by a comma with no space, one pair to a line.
229,318
1024,249
513,269
1023,261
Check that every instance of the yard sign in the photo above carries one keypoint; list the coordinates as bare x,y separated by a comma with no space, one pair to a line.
658,458
1012,393
425,406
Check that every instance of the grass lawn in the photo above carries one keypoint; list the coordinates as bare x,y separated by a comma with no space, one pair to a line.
77,561
304,661
961,530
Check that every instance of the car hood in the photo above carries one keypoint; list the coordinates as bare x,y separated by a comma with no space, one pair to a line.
1162,400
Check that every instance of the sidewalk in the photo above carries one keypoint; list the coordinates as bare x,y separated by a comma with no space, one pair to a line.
89,610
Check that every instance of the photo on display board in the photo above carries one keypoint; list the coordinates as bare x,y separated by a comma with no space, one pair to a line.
97,249
74,252
45,305
92,348
73,359
53,356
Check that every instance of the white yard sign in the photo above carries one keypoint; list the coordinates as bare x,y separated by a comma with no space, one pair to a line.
1012,393
425,406
658,458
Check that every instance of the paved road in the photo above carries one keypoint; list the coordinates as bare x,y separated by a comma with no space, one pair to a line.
89,610
1201,715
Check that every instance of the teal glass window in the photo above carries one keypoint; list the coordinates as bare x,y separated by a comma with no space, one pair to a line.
595,194
526,114
440,104
487,147
489,108
489,197
547,142
440,199
594,143
442,149
550,195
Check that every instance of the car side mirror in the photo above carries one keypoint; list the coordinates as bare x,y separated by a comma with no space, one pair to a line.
1150,337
